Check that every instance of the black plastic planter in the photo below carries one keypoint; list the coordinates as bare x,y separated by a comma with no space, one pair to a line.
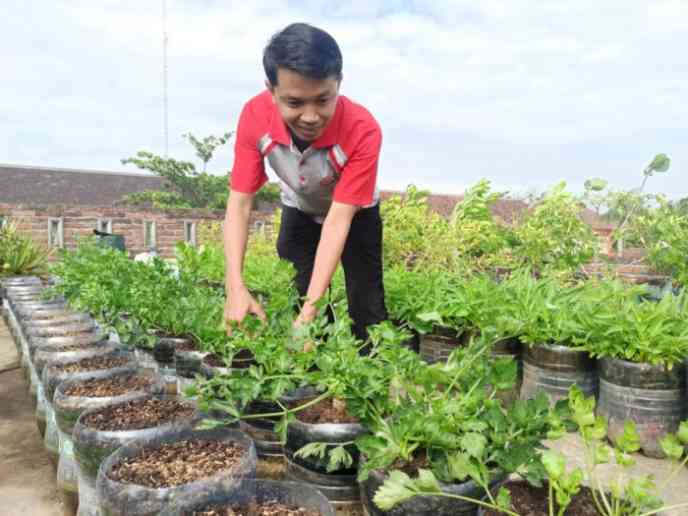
117,498
553,369
512,349
262,431
424,505
439,344
653,397
339,487
291,494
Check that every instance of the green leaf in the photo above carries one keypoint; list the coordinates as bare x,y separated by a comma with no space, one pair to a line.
474,444
503,498
602,454
396,489
427,482
629,442
682,433
671,446
312,450
340,458
660,163
555,464
435,317
461,467
596,184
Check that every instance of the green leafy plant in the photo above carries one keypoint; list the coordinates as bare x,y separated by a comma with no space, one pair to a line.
621,495
19,254
553,235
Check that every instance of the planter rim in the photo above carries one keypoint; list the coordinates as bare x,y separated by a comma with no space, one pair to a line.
558,347
327,426
637,365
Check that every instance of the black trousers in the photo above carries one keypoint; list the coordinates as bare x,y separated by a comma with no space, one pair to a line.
361,259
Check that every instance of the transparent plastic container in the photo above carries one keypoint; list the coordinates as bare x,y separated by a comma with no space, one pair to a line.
67,475
291,494
116,498
93,446
69,408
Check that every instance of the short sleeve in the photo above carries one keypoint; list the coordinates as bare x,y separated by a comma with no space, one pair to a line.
248,171
358,177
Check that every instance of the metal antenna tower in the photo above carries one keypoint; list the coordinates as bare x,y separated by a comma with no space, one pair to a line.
164,75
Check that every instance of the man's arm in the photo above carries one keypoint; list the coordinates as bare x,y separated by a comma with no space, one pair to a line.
335,231
239,301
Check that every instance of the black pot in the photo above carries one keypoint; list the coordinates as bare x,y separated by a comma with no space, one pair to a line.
553,369
339,486
651,396
423,505
437,345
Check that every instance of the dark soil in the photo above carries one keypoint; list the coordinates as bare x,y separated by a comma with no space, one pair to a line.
214,360
264,509
418,461
108,387
177,463
533,501
138,414
187,346
65,349
326,411
93,364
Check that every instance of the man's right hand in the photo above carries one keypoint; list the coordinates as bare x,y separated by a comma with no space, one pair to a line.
239,304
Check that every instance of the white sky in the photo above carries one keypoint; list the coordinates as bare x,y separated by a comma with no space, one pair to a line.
522,92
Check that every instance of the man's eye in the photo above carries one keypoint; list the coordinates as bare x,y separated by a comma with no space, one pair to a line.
294,104
322,102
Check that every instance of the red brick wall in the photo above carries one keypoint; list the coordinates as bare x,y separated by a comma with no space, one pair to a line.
80,221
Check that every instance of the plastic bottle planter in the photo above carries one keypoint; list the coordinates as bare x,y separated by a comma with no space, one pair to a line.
25,310
53,374
340,487
510,348
67,475
51,439
60,330
651,396
68,408
187,362
92,446
554,369
438,345
117,498
262,431
163,353
423,505
291,494
145,360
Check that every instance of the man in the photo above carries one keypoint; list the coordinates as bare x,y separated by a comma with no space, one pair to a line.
325,150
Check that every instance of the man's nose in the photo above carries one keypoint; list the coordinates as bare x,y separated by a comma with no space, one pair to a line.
310,116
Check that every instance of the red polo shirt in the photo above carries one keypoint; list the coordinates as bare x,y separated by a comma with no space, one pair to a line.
341,165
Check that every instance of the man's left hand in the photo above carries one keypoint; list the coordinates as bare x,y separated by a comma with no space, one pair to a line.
307,314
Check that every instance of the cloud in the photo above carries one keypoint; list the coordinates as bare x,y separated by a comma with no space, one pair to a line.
522,92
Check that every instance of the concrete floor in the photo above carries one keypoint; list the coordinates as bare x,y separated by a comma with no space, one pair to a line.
27,479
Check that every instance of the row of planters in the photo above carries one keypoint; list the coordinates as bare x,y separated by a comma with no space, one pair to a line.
605,337
356,420
118,443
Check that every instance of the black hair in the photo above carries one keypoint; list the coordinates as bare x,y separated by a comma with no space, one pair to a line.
303,49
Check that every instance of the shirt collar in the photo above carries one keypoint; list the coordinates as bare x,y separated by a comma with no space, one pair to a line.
280,134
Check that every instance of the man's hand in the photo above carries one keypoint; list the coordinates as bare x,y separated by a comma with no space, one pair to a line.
306,315
239,304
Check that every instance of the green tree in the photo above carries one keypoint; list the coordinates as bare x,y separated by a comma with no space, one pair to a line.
185,187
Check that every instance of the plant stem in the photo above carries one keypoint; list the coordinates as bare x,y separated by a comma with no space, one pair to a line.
314,401
675,472
666,508
551,499
472,500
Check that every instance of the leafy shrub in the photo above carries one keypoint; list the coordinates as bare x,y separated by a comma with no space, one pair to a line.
19,254
553,234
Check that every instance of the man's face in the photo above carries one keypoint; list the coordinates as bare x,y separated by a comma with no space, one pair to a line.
306,105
